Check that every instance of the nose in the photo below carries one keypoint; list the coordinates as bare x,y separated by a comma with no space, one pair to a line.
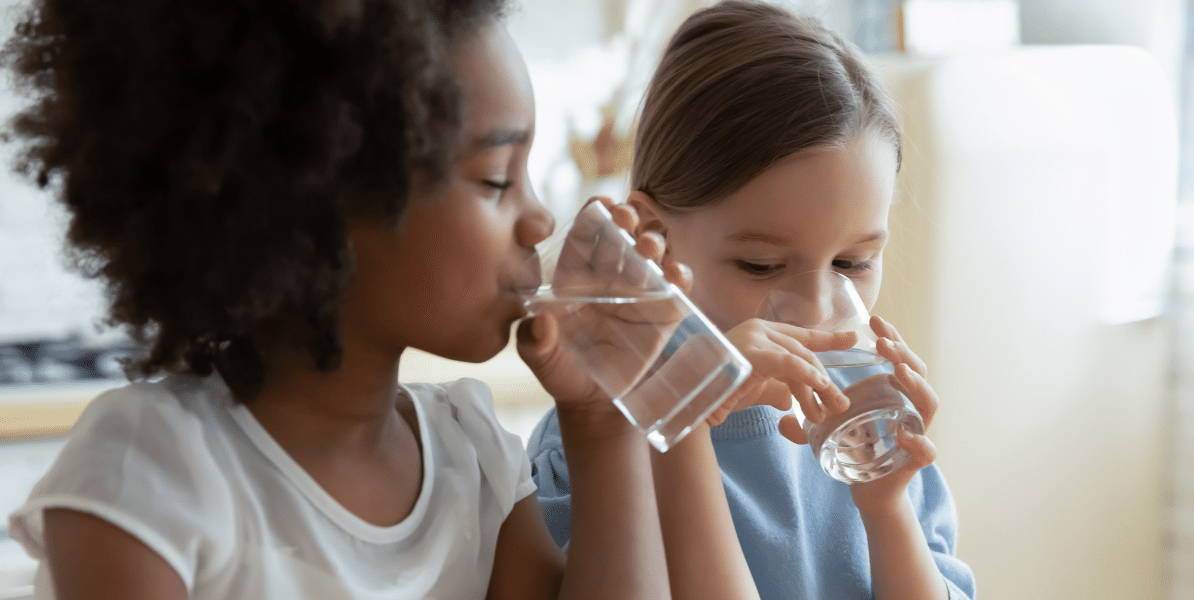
804,300
535,223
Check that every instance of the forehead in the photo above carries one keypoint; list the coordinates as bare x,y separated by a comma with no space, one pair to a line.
819,196
493,78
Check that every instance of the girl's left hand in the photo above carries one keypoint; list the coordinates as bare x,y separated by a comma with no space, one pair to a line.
887,494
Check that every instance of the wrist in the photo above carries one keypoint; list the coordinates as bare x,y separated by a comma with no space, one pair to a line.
587,422
881,512
698,442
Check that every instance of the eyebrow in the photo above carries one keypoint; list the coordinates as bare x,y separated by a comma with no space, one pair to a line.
779,240
500,137
758,236
876,236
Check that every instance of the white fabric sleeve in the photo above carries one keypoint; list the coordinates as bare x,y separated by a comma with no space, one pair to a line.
502,457
138,460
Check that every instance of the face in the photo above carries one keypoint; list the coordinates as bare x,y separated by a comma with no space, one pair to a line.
447,278
823,209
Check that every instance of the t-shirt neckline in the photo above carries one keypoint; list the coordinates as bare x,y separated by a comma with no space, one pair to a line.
324,501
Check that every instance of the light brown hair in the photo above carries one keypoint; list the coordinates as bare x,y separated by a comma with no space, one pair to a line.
742,85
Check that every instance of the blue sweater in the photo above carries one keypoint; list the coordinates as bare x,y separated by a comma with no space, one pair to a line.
801,534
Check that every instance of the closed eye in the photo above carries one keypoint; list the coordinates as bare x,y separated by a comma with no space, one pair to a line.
758,269
853,266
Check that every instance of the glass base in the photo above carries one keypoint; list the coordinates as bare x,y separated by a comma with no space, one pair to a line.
693,409
866,448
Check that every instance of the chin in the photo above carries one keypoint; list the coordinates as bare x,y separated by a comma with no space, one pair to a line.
482,346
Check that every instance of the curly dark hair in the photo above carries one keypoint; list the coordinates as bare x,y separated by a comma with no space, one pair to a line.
211,154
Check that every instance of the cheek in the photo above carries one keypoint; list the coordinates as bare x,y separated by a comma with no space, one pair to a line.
722,295
717,286
868,289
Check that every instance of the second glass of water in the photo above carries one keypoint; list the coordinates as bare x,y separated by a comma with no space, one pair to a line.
860,444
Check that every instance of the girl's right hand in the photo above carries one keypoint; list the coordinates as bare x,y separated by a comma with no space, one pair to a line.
783,367
560,371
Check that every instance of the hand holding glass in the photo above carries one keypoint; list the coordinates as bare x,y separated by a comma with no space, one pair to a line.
662,363
860,444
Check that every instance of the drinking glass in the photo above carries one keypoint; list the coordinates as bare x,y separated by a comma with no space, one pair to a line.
643,342
860,444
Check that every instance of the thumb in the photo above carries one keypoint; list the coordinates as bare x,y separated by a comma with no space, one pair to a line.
538,339
789,427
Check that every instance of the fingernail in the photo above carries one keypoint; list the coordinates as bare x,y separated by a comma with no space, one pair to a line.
536,329
526,330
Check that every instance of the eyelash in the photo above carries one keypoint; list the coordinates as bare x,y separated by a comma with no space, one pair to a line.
500,186
757,269
764,270
865,265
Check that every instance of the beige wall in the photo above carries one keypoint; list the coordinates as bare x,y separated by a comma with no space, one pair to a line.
1052,422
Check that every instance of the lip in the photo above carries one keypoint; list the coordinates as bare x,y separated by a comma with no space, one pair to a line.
529,277
520,309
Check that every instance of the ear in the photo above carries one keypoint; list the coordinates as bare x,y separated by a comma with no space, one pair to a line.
650,213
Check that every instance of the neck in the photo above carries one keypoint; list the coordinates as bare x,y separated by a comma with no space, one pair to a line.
356,402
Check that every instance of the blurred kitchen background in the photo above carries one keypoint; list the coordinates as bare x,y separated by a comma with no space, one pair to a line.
1043,265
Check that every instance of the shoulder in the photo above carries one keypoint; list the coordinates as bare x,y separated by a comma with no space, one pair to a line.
461,414
139,459
467,403
118,413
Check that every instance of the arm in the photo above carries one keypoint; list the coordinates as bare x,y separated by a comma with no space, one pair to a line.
901,564
527,563
91,559
615,550
704,558
616,540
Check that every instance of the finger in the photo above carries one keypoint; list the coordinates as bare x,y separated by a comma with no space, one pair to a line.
790,428
835,401
781,401
885,329
809,403
609,255
881,328
921,451
832,398
819,398
679,274
638,273
918,390
794,346
651,245
899,352
747,395
605,201
816,339
538,338
777,363
578,246
624,216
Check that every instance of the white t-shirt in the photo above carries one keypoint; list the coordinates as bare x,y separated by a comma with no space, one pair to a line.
191,473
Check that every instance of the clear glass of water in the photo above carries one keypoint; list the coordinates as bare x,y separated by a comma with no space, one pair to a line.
860,444
644,343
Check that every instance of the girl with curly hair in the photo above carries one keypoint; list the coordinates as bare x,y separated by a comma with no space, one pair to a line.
281,197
